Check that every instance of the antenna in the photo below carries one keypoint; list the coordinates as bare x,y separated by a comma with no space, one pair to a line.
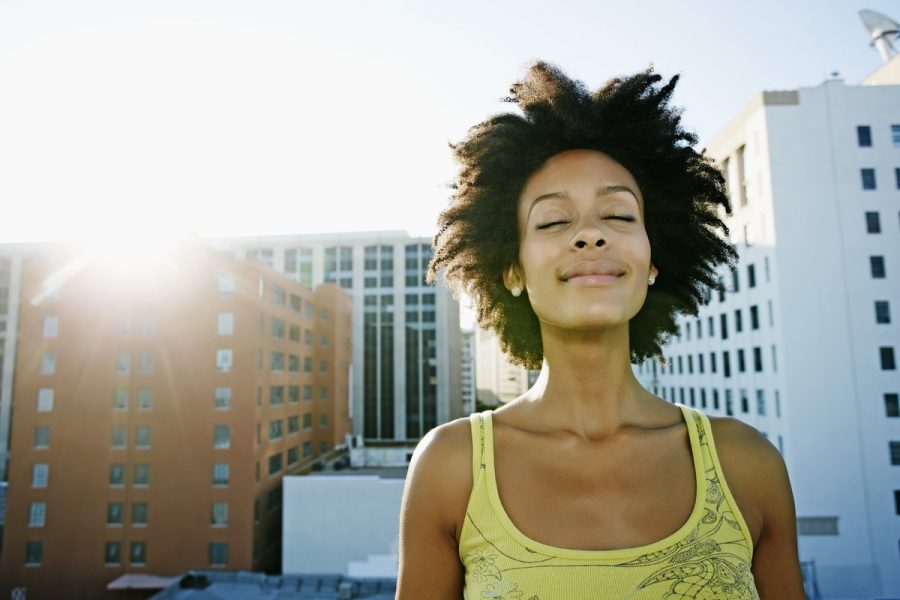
883,30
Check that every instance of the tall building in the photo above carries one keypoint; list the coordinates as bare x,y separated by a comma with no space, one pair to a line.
467,371
406,334
156,409
803,343
499,380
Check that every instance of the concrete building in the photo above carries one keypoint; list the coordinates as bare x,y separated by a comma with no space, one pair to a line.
406,336
498,380
467,371
803,344
157,407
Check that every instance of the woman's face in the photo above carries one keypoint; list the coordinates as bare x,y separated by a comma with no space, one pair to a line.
584,256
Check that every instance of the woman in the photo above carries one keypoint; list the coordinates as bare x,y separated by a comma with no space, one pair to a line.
588,485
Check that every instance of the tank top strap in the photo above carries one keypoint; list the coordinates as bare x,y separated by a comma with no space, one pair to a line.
477,423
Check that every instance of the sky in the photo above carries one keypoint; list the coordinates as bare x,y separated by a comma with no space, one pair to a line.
129,120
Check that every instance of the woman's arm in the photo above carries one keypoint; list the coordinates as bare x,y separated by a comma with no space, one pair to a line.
434,503
756,474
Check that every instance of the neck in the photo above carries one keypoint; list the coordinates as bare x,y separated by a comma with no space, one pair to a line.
586,384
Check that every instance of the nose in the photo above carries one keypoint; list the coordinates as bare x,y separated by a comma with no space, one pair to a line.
589,236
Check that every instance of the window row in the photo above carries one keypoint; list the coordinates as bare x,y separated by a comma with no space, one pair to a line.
276,460
689,397
276,393
701,364
867,177
864,136
137,553
225,362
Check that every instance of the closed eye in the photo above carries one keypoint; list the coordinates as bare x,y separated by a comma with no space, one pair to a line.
551,224
619,217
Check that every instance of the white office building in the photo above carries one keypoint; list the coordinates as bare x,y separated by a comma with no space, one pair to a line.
467,371
405,375
803,344
498,379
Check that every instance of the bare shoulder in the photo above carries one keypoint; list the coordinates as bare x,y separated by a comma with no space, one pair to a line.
440,472
742,444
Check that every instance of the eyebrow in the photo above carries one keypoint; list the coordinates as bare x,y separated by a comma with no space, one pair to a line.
601,191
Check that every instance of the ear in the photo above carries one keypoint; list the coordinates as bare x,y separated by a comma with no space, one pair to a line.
653,270
511,277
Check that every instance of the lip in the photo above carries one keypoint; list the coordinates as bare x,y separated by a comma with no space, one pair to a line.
593,279
603,271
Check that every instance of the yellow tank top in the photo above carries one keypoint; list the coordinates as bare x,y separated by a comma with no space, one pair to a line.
708,557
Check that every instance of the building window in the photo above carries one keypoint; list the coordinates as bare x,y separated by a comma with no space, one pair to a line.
138,554
307,365
307,449
276,429
723,325
33,553
873,223
219,517
892,405
145,399
116,474
307,392
276,395
119,436
223,398
274,463
760,402
882,312
293,424
276,361
218,554
817,526
712,362
142,439
690,363
323,314
220,474
113,553
894,448
293,394
745,404
226,323
887,358
897,177
145,363
120,398
48,363
700,362
751,276
294,333
307,421
51,326
148,326
757,359
323,393
864,136
139,512
226,285
754,317
735,280
726,364
710,323
738,321
740,357
895,135
123,361
323,366
277,326
293,455
323,448
868,178
293,363
323,421
45,400
40,474
876,264
37,514
307,337
142,474
114,513
221,436
42,436
278,296
223,360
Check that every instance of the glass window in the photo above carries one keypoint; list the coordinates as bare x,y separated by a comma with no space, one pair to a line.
223,398
123,361
307,365
751,276
145,364
226,323
223,360
738,321
323,366
113,553
42,436
294,333
307,337
293,394
114,513
277,326
221,436
307,449
293,455
277,361
278,295
892,405
723,326
51,326
142,439
876,265
323,393
274,463
139,513
757,359
323,421
895,135
120,398
895,452
226,285
45,400
307,421
219,514
119,436
40,474
864,136
754,317
307,392
141,474
887,358
323,314
116,474
882,312
37,514
218,554
276,429
145,399
868,178
33,553
48,363
873,223
220,474
293,424
740,357
138,554
276,395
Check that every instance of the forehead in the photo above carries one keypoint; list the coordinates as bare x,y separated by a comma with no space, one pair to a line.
576,172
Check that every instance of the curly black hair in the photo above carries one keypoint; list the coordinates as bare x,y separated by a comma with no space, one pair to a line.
629,119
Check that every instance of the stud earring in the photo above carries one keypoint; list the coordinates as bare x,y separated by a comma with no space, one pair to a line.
651,279
516,291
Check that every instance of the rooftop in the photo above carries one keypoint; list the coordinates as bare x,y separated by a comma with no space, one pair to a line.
246,585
